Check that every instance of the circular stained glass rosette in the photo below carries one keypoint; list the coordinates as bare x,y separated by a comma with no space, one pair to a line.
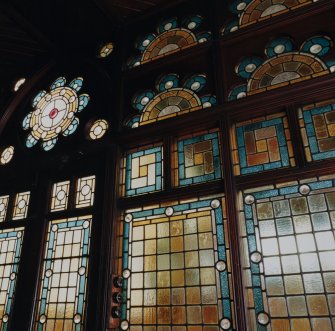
18,84
98,129
106,49
54,113
7,155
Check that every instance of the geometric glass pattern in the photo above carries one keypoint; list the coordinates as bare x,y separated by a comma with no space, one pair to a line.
198,159
6,155
60,195
283,65
54,113
175,259
3,207
317,124
106,50
289,255
171,98
21,205
254,11
62,295
143,171
170,38
85,192
10,251
98,129
262,144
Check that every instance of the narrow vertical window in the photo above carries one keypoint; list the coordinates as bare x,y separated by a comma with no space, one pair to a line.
3,207
21,205
10,251
85,192
60,195
63,282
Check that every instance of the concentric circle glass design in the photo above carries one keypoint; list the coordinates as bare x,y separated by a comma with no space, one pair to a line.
98,129
7,155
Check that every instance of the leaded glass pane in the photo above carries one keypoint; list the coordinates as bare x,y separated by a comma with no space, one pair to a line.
197,158
60,195
62,295
317,122
262,144
142,171
85,192
21,205
288,259
178,257
10,252
3,207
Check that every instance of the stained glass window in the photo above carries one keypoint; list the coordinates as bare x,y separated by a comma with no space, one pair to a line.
98,129
317,124
106,50
18,84
10,251
55,112
62,296
283,65
6,155
262,144
3,207
171,37
21,205
197,159
175,258
170,99
60,195
289,255
142,171
85,191
254,11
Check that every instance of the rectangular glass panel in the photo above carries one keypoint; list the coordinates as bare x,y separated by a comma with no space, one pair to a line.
10,251
317,123
142,171
60,195
21,205
62,295
178,257
197,158
3,207
85,191
261,144
289,255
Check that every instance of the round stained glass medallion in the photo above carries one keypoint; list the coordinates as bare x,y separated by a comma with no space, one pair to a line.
169,211
98,129
215,203
7,155
128,218
263,318
124,325
220,266
304,189
18,84
249,199
82,271
225,324
48,273
256,257
43,319
12,276
106,49
86,224
21,204
5,318
55,113
126,273
77,319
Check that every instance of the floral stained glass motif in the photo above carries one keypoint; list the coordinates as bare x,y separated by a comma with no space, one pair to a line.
6,155
262,144
283,65
60,196
10,252
197,159
249,12
85,191
55,113
171,37
21,205
170,99
62,296
317,124
175,258
289,255
142,171
3,207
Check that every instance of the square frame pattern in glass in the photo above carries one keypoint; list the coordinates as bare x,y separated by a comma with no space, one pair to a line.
21,205
197,159
317,123
262,144
143,170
